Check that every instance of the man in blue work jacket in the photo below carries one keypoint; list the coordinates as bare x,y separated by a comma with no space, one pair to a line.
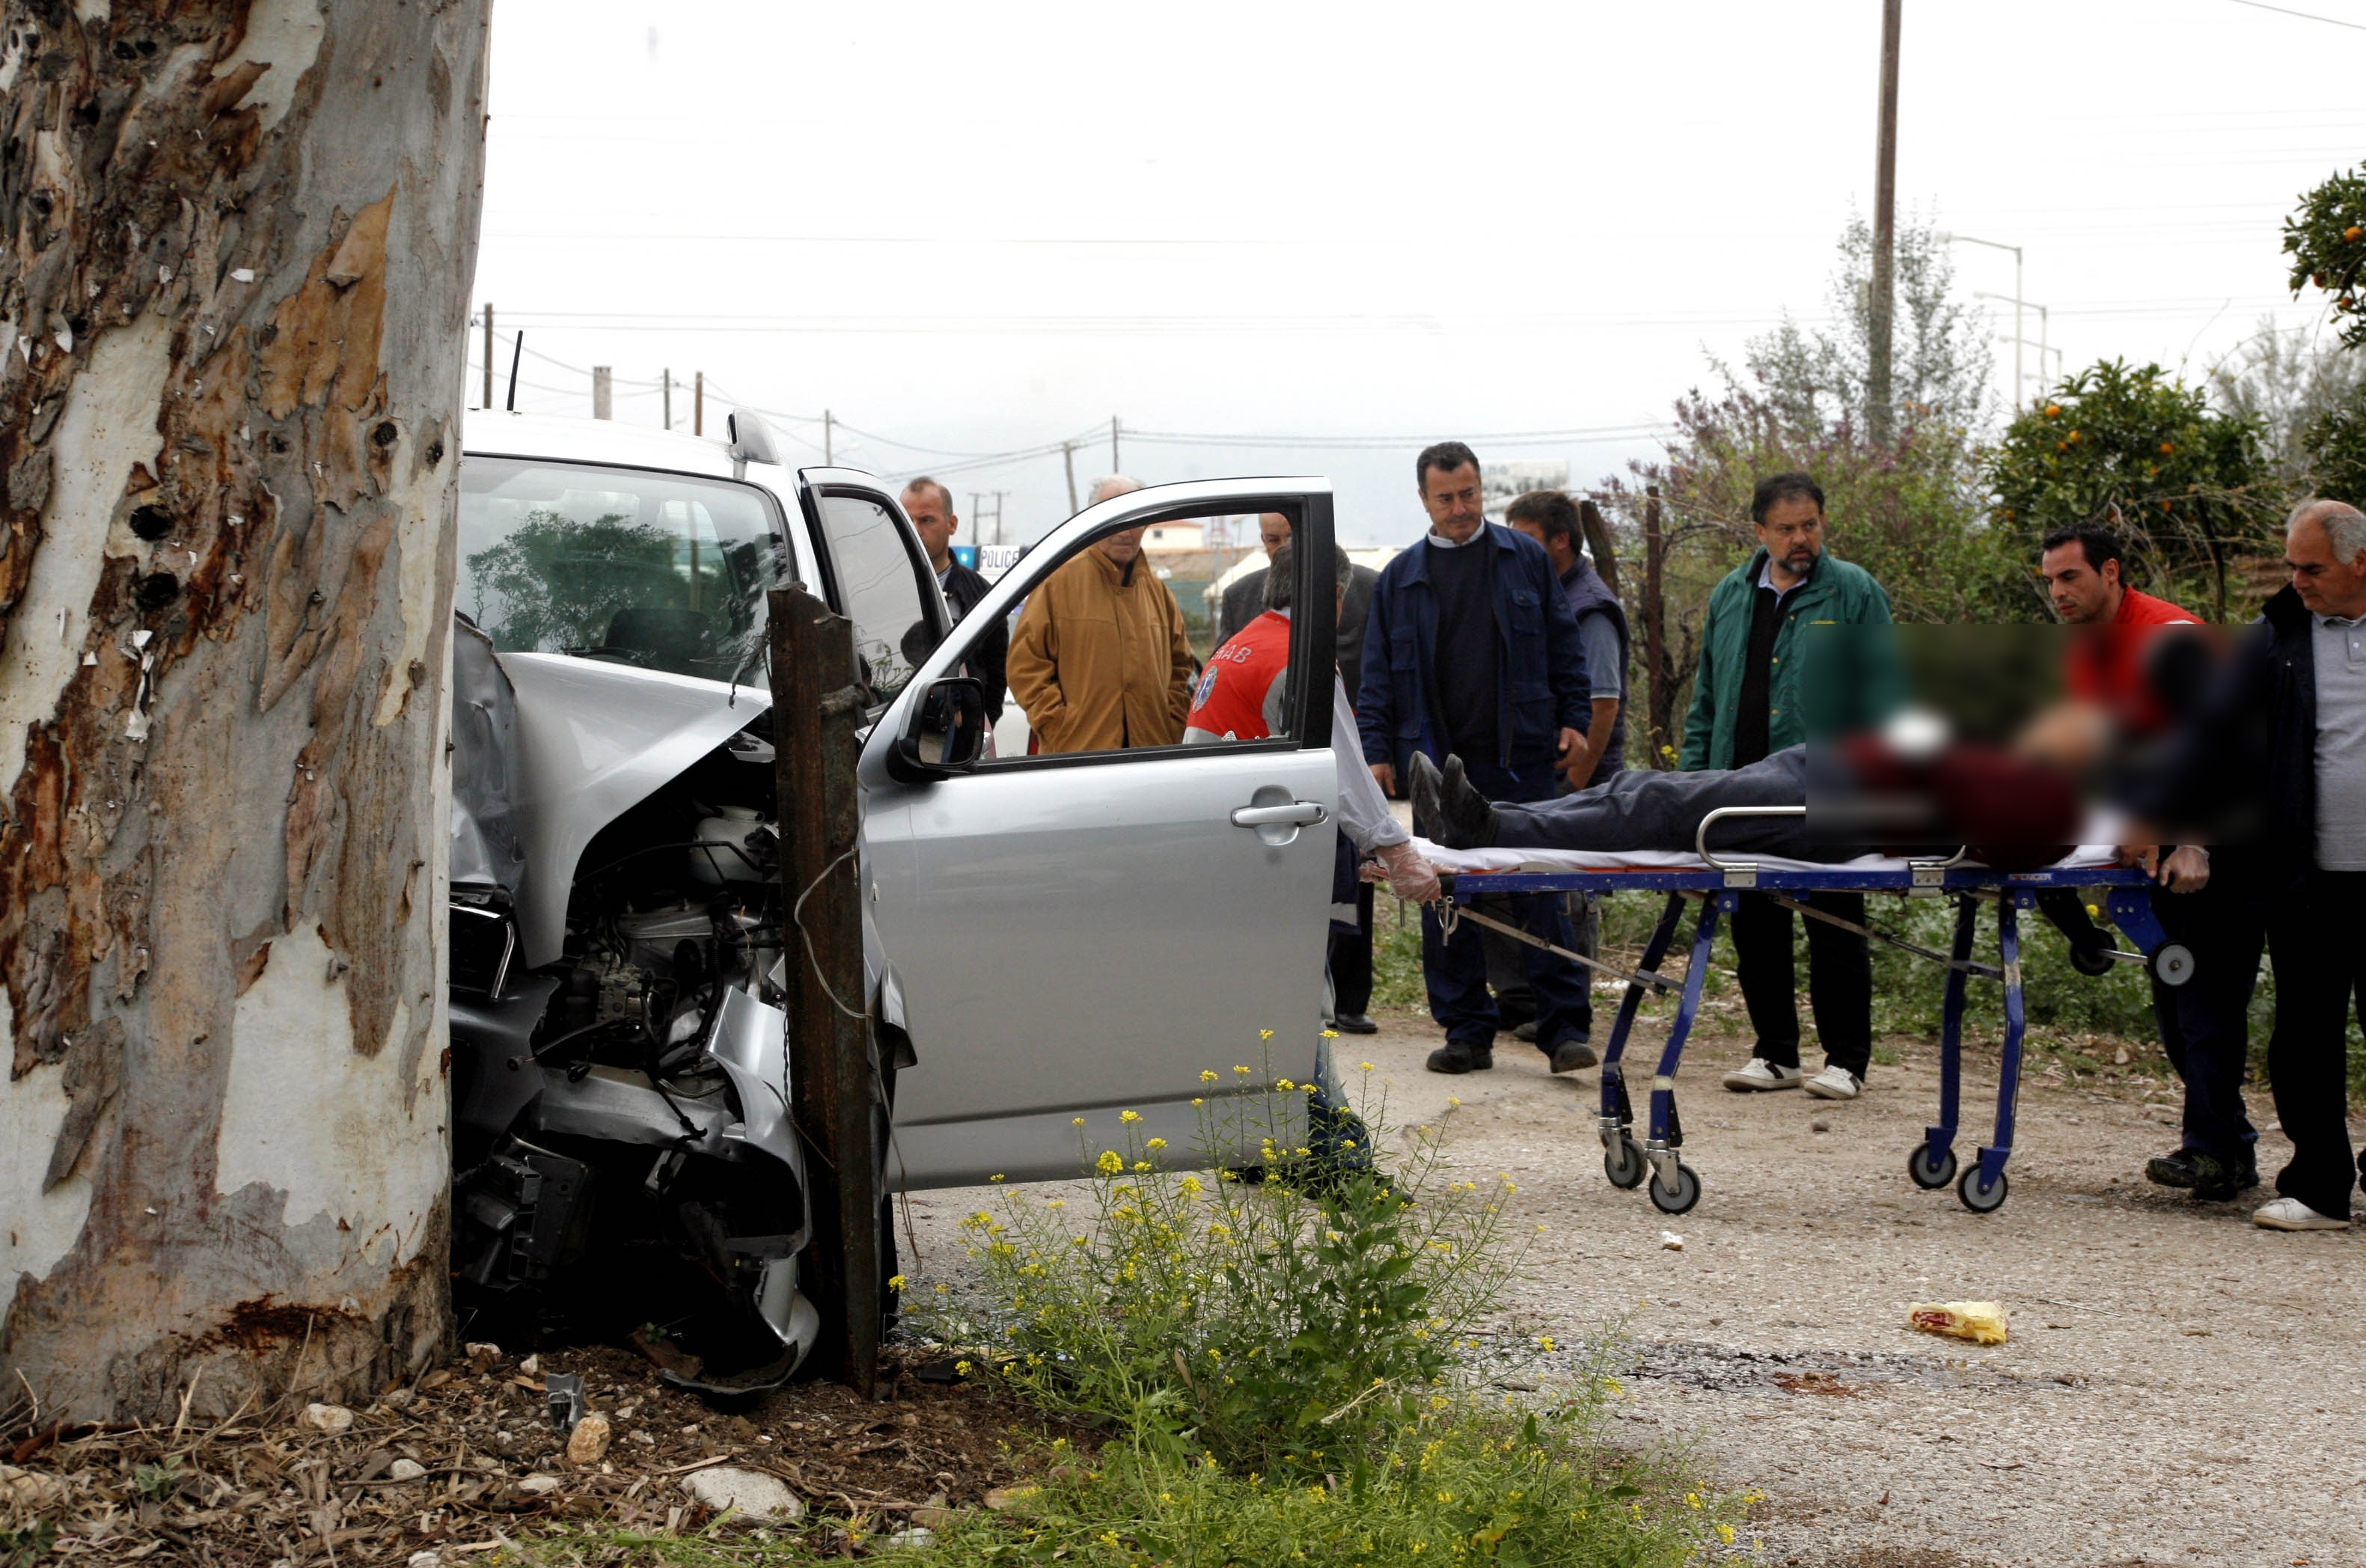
1471,650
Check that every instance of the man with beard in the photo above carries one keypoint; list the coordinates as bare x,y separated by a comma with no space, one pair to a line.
1773,623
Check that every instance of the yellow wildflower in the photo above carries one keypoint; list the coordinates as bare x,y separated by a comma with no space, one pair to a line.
1284,1083
1155,1144
897,1283
1129,1115
1206,1075
1109,1163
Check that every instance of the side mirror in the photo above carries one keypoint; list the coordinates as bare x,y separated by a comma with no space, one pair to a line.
947,733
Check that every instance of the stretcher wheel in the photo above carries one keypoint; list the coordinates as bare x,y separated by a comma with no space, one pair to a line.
1686,1194
1977,1195
1623,1162
1930,1171
2173,963
2092,960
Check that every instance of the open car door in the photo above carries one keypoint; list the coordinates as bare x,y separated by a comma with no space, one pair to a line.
1078,933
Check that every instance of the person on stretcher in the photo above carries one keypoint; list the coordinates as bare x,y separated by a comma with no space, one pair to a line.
1907,790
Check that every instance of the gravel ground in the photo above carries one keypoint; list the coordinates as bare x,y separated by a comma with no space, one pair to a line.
2179,1387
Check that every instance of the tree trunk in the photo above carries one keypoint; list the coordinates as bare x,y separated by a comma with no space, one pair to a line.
240,241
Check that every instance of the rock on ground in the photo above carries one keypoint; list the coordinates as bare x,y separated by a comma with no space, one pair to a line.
757,1496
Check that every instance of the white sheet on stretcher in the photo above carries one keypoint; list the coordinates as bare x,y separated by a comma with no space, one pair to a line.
1681,859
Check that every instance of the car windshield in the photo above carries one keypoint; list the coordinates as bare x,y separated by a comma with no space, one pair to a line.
664,571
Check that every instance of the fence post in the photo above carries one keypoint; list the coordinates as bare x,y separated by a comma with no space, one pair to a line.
817,706
1655,629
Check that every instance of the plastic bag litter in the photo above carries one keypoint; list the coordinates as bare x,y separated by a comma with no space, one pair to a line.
1983,1322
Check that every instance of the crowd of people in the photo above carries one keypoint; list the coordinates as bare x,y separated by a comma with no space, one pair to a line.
1483,673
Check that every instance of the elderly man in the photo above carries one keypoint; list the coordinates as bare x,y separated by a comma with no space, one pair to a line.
1100,661
930,507
2276,764
1472,651
1750,699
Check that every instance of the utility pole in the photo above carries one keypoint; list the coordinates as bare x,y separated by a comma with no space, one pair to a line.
1115,466
1068,461
698,402
833,1084
489,357
978,514
1884,232
665,379
827,425
602,393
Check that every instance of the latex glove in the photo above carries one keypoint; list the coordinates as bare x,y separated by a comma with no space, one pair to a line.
1410,877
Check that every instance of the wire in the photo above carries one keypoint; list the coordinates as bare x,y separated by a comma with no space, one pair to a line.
2304,16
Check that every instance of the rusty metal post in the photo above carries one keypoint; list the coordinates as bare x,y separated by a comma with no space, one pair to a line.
817,706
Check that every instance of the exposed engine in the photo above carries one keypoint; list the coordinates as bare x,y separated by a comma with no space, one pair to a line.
623,1159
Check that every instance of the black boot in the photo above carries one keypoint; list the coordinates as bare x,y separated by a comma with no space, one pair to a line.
1447,809
1460,1056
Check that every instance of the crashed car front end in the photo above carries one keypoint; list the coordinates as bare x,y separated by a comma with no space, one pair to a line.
624,1162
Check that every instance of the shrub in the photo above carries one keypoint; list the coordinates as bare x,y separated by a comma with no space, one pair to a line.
2189,483
1273,1324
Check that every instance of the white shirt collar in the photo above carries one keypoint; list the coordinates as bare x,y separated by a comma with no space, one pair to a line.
1767,581
1445,543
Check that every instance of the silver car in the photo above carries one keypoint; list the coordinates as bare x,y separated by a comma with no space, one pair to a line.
1048,937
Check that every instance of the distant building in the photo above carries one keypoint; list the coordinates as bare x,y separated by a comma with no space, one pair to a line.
1500,484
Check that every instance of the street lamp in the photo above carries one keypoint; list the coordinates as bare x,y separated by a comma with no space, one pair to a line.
2045,327
1947,238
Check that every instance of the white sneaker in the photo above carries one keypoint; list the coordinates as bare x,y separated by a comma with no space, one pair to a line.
1763,1074
1835,1083
2290,1213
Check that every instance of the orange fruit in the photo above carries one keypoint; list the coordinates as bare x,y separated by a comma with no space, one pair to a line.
2352,233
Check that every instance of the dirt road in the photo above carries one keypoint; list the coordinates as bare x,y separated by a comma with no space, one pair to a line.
2179,1387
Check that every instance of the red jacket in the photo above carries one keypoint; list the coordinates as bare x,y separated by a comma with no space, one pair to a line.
1230,702
2107,661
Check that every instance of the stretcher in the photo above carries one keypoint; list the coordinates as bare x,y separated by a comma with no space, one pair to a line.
1715,883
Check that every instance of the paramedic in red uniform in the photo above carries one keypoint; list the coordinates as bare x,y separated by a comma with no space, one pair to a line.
2117,662
1240,697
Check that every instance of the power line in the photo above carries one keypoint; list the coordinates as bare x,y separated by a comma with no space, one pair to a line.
2304,16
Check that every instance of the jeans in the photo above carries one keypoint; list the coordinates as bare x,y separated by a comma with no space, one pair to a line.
1840,979
2320,966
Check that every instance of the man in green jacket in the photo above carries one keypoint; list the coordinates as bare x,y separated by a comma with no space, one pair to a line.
1777,668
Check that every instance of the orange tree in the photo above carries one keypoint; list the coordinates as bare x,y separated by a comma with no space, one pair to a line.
2191,485
2327,240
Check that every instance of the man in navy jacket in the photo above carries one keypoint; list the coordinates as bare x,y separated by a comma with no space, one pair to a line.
1471,650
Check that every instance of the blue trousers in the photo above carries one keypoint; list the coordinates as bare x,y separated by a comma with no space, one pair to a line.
1455,971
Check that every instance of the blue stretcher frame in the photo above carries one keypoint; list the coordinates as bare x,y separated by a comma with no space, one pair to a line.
1718,887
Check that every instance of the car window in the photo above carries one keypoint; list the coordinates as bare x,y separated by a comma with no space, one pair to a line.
1115,649
664,571
878,572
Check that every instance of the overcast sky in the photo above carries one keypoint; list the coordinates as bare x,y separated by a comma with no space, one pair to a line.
974,229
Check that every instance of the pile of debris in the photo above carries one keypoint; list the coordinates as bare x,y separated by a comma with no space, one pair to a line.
496,1450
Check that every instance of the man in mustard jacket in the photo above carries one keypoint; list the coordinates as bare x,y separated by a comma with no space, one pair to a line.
1100,660
1779,668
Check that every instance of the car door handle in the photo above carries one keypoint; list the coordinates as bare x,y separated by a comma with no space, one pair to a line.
1291,814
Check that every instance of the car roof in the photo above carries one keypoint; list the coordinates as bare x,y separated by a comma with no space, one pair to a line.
498,434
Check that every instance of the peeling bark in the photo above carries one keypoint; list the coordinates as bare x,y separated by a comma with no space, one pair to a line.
236,247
